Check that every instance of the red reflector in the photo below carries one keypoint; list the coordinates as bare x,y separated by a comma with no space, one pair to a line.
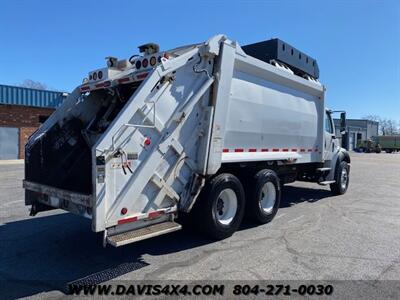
294,150
252,150
316,150
225,150
147,141
122,80
239,150
106,83
155,214
100,85
124,210
309,150
285,150
275,150
85,88
302,150
264,150
127,220
141,76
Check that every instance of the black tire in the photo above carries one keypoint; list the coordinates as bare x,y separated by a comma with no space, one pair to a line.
339,187
206,209
254,208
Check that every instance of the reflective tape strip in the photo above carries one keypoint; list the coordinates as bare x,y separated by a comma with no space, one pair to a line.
226,150
142,76
127,220
151,215
85,88
155,214
123,80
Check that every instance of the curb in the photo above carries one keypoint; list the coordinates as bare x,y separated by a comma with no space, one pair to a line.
12,162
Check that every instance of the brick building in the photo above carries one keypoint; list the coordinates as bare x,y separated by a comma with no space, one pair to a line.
22,111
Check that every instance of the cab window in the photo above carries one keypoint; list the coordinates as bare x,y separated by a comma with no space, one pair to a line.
328,123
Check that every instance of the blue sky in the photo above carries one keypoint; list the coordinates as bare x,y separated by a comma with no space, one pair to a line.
356,43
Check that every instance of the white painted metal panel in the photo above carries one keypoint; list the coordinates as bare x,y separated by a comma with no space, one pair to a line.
273,112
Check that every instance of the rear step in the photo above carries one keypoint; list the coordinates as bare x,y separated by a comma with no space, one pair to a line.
142,233
323,169
326,182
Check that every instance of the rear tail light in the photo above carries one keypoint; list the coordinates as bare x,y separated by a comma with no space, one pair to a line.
138,64
153,60
100,74
94,76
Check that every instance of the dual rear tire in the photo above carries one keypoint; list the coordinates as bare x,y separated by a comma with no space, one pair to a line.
265,197
222,204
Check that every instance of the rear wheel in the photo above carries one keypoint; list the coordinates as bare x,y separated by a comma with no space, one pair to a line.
221,207
341,179
264,196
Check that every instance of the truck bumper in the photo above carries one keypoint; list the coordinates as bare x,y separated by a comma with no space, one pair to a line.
41,196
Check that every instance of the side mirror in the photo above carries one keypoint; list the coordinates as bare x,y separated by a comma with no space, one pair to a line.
343,123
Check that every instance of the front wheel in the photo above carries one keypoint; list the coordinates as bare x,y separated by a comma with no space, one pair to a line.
221,207
341,179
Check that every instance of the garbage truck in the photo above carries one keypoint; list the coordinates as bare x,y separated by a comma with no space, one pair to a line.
377,144
388,143
208,132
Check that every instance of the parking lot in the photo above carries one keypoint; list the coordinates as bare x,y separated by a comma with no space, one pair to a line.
314,236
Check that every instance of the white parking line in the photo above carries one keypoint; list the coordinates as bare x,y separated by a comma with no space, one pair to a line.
296,219
280,215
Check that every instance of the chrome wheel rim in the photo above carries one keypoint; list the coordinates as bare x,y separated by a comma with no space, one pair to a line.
225,207
268,197
344,177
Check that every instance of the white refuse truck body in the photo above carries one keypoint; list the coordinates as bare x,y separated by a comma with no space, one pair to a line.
205,131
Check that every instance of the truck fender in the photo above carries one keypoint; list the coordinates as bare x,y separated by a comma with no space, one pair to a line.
341,155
